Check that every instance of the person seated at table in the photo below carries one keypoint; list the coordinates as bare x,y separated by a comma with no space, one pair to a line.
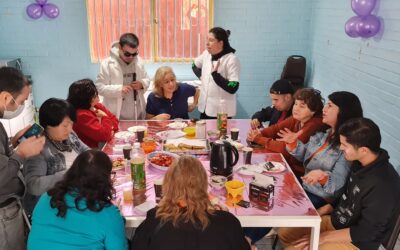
306,117
169,99
77,213
326,169
281,93
185,218
94,123
365,215
61,148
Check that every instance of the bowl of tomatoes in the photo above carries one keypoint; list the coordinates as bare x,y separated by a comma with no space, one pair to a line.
161,160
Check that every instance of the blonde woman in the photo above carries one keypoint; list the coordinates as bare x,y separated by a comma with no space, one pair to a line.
169,100
185,218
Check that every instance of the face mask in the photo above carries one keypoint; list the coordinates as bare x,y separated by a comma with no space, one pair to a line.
12,114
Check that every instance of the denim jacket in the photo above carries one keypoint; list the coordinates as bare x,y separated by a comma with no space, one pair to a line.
41,172
331,160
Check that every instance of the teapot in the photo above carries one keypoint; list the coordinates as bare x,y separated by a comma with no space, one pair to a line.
223,157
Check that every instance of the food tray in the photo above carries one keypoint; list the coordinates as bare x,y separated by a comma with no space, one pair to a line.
182,146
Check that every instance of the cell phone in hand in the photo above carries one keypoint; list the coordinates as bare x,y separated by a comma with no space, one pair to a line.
34,130
243,203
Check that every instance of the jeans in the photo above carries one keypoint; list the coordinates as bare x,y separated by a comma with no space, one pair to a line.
256,233
12,232
316,200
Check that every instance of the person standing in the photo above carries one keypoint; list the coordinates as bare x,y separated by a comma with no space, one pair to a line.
122,80
281,93
14,90
218,68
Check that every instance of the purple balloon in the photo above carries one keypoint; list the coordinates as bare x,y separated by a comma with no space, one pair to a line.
350,26
34,11
41,2
363,7
368,26
51,10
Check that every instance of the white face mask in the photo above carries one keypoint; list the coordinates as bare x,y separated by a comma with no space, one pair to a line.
12,114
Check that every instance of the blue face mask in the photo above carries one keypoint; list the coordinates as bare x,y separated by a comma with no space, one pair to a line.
12,114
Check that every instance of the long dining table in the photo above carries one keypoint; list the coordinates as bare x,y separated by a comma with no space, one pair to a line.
290,206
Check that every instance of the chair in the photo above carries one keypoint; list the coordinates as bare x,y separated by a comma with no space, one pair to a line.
392,239
295,70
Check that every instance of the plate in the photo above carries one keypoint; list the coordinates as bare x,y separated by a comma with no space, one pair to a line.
133,129
177,125
157,153
250,170
277,167
123,134
171,134
118,162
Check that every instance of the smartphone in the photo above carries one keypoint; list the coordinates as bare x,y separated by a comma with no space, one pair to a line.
34,130
243,203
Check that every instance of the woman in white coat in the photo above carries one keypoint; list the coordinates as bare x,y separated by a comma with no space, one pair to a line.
122,80
219,70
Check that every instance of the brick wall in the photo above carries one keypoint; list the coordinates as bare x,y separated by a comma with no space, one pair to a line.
369,68
56,52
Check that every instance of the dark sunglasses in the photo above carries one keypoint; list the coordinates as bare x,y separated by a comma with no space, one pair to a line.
127,54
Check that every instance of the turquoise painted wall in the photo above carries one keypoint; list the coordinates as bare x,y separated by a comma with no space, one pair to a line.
368,67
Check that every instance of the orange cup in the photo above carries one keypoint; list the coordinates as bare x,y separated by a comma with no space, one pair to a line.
149,146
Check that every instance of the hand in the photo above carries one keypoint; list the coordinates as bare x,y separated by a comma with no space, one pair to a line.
255,124
215,68
162,117
30,147
192,107
288,136
136,85
100,113
252,247
253,134
126,89
18,135
314,176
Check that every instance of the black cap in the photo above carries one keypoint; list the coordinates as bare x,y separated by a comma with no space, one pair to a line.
282,87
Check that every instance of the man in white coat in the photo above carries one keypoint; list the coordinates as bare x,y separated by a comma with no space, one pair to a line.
122,80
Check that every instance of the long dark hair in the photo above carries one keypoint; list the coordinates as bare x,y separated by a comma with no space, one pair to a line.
81,93
349,107
88,180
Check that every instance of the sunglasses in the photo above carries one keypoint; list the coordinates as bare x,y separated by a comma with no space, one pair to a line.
127,54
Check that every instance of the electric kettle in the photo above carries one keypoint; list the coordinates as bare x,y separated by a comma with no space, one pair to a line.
223,157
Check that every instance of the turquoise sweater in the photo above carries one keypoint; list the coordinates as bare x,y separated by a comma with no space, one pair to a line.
78,230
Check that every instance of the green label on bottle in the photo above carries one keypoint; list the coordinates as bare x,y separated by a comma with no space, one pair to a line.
138,173
222,121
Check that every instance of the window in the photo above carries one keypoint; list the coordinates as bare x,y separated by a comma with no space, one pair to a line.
168,30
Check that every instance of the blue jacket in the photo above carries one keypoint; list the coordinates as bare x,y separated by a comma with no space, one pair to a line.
330,160
78,229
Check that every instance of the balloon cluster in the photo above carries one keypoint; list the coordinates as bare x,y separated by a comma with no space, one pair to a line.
364,24
36,10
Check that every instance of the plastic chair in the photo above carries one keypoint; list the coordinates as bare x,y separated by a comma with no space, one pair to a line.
295,70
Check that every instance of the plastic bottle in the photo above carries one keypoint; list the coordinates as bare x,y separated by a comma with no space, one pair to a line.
137,167
222,118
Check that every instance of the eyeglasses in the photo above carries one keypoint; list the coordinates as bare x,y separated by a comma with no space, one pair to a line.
127,54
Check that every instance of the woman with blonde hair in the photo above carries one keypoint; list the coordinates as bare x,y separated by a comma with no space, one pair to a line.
169,99
185,218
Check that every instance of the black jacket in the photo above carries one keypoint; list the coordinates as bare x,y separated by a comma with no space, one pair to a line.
270,114
223,233
371,203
